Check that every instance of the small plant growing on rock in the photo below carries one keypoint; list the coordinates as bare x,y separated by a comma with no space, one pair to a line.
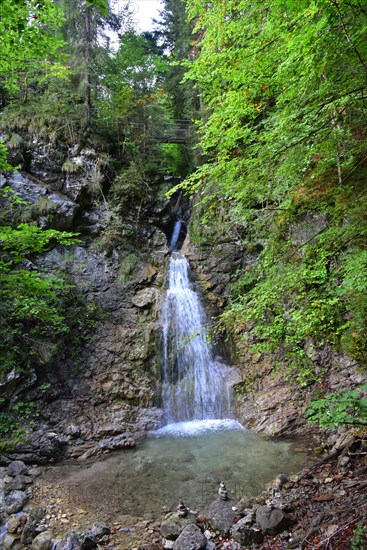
340,408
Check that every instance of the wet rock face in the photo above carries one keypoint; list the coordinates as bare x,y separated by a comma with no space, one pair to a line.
214,265
113,396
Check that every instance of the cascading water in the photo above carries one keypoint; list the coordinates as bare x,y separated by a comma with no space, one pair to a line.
193,382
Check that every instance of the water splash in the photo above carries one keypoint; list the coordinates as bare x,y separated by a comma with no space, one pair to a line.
196,428
194,385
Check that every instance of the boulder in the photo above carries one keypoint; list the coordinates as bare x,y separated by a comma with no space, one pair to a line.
16,468
100,529
221,513
43,541
42,447
17,483
16,523
77,540
10,542
30,528
271,521
15,501
173,525
191,538
244,534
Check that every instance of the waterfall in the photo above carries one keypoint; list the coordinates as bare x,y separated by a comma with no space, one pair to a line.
193,382
175,236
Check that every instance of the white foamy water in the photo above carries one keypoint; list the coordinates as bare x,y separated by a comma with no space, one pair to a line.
194,384
196,428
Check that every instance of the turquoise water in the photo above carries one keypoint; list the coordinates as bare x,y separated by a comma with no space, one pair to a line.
185,460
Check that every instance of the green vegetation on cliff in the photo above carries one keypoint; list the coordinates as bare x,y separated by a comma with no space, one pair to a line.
283,141
33,304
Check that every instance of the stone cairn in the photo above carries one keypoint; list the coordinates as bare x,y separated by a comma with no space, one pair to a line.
182,511
222,491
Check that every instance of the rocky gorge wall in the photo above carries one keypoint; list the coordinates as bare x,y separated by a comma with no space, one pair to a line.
103,393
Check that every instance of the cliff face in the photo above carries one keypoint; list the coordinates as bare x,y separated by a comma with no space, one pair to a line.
102,391
267,399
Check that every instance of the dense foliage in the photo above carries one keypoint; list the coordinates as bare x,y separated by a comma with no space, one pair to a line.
283,144
33,304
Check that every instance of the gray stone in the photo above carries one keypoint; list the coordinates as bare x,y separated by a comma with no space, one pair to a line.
231,545
63,209
221,514
271,521
245,535
29,531
76,540
15,501
17,483
118,442
10,542
16,468
100,529
144,297
43,541
280,481
191,538
109,429
72,430
16,523
43,446
70,541
173,524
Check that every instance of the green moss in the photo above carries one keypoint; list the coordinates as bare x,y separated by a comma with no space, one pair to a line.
42,208
14,142
70,167
127,267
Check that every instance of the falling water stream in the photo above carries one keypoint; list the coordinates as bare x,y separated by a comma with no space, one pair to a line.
200,442
194,386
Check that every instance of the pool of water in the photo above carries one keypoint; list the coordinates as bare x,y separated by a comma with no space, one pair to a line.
185,460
